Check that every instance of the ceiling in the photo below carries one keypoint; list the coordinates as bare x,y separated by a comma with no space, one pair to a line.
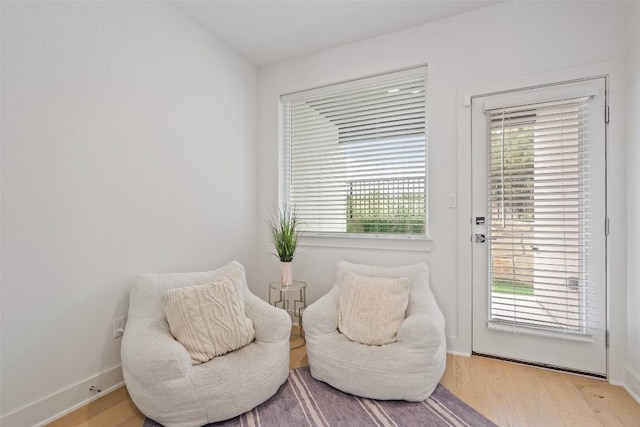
269,31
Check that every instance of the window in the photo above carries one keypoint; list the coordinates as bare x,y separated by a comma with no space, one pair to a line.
540,181
355,156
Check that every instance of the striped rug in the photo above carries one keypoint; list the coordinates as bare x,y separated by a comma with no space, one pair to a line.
304,401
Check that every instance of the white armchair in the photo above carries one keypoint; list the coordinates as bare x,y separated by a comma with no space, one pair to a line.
158,370
408,369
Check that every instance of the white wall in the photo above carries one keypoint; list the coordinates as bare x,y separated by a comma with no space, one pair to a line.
494,44
128,145
632,374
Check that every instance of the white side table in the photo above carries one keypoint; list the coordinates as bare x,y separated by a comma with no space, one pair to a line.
292,299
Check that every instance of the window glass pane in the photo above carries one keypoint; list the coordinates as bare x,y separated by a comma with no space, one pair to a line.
355,158
539,225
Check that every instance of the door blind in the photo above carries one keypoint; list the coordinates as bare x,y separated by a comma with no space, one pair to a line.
538,223
355,158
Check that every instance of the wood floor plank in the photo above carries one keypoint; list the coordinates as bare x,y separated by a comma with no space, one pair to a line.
539,406
298,352
628,403
564,392
600,396
582,420
112,407
499,384
456,378
509,394
566,397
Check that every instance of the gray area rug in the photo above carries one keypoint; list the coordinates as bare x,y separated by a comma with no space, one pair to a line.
304,401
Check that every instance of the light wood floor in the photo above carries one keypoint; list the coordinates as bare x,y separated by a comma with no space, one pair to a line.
509,394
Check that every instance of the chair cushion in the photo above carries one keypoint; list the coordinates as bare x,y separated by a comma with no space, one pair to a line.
208,320
372,308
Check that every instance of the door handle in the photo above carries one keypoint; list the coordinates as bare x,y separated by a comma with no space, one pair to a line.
482,238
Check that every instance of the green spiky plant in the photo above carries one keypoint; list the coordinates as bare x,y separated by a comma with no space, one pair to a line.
283,226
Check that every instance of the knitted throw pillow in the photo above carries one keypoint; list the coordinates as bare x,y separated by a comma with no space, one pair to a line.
208,320
372,308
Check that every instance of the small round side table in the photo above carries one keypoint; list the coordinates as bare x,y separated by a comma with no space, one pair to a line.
286,298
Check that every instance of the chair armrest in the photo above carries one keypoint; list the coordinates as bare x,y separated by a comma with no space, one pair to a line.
420,331
151,354
321,317
424,327
272,324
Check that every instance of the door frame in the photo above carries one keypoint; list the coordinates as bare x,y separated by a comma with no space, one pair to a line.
461,342
574,352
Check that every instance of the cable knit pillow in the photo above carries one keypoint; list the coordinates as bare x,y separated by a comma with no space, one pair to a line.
208,320
372,308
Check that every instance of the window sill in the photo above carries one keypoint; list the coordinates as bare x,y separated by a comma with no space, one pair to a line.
548,333
360,241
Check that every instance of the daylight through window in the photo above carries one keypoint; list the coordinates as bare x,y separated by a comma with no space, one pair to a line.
355,156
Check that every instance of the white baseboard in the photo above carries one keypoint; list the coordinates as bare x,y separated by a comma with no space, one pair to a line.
632,384
65,401
459,353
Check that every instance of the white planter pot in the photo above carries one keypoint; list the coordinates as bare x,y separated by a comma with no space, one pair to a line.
286,273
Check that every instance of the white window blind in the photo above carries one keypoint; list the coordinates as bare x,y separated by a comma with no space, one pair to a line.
355,156
539,225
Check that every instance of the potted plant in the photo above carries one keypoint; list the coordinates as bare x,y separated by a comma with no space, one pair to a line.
283,227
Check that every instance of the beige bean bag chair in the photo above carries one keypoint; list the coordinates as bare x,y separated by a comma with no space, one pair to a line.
159,372
408,368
